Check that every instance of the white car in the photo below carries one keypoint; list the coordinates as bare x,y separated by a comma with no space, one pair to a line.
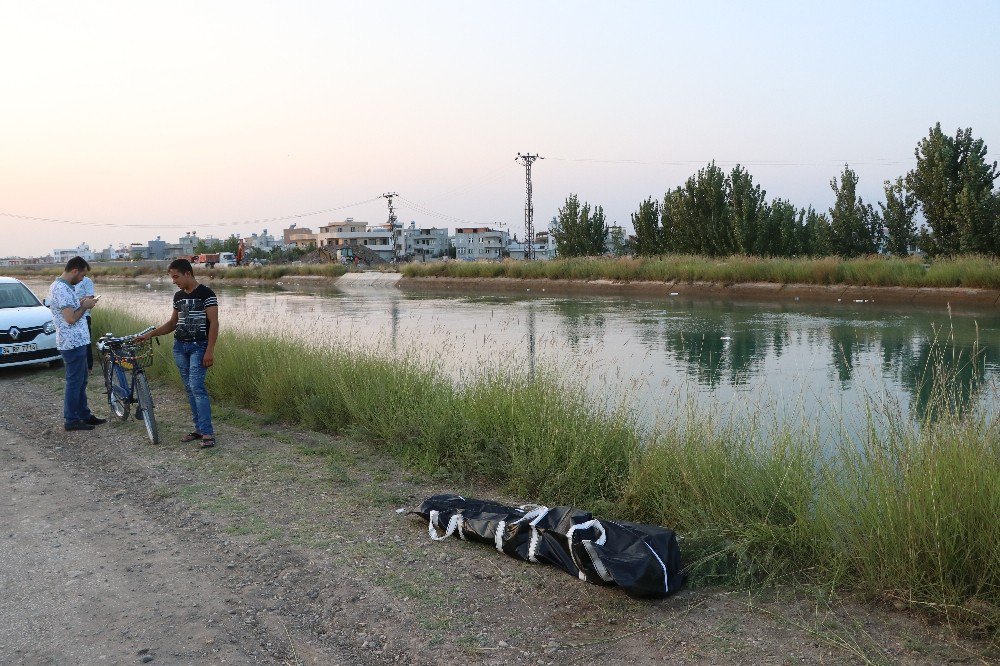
27,334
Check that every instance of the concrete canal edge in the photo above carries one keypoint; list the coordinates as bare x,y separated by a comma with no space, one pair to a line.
956,297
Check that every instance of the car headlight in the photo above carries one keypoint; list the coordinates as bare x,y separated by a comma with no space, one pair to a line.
49,328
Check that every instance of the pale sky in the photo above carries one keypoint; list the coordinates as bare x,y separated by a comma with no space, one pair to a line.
132,120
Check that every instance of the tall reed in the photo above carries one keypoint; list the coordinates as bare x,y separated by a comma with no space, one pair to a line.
907,512
970,271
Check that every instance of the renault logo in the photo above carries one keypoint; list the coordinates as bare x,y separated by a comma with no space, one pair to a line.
14,332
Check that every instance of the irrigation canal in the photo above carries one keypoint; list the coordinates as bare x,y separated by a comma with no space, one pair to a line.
827,366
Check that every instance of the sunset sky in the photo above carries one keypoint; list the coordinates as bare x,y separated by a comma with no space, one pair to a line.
131,120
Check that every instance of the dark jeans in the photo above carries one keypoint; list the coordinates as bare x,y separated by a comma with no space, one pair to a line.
188,356
75,399
90,347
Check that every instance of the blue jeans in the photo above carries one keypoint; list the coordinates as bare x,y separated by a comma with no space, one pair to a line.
188,356
75,406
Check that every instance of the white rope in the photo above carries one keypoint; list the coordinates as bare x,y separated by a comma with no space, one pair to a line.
435,523
602,570
666,579
596,524
533,517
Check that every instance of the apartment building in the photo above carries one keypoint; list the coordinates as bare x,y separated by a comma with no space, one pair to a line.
544,247
472,243
339,236
293,236
424,244
61,256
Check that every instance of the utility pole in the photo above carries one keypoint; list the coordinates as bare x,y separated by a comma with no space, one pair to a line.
529,210
392,224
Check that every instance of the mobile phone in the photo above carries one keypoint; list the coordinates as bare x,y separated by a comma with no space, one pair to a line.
97,298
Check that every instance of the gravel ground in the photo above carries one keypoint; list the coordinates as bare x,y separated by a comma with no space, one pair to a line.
284,546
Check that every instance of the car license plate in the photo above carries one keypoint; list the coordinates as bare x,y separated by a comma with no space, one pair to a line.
17,349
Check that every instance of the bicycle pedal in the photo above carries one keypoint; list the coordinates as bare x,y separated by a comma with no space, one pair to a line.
138,414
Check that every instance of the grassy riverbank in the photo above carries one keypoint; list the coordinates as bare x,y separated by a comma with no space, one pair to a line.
977,272
271,272
908,517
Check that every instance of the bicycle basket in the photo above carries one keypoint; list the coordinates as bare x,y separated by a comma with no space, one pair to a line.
132,354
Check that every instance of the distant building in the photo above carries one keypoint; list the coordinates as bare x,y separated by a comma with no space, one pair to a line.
82,250
543,248
138,251
296,237
156,249
424,244
265,242
186,244
339,236
472,243
616,240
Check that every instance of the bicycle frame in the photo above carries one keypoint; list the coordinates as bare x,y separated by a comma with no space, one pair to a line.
118,357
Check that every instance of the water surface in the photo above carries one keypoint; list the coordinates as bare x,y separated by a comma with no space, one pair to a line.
830,366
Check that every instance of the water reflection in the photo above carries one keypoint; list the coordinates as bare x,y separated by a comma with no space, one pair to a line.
733,353
582,320
938,371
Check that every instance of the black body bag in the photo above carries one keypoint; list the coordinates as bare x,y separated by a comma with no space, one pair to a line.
643,560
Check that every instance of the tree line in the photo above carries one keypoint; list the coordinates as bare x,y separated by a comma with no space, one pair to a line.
716,213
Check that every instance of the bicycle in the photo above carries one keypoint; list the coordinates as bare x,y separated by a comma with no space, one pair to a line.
124,361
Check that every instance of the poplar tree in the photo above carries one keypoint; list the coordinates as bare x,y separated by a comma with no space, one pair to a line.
816,234
648,233
703,213
954,184
855,227
898,212
747,209
580,231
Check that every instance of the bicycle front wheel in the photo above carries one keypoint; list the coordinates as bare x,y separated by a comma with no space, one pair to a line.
116,384
146,405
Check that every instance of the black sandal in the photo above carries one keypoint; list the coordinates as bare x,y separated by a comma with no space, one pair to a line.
207,441
191,436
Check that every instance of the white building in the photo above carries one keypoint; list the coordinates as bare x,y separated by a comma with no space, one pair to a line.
424,244
264,241
472,243
339,236
82,250
543,248
111,253
186,244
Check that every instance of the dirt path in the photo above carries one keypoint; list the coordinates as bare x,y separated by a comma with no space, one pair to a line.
87,576
284,546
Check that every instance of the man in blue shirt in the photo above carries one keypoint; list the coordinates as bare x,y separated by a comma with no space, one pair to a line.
72,340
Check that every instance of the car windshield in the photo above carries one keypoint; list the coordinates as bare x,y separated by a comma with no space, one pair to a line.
16,295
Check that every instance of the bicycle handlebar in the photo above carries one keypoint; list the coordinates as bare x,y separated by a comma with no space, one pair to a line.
108,339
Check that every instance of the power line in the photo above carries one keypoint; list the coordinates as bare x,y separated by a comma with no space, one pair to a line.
474,184
789,163
424,210
188,225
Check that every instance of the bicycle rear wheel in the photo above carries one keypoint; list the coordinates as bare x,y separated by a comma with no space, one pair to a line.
146,405
116,384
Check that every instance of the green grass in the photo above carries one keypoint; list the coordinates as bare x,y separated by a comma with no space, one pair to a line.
907,514
978,272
